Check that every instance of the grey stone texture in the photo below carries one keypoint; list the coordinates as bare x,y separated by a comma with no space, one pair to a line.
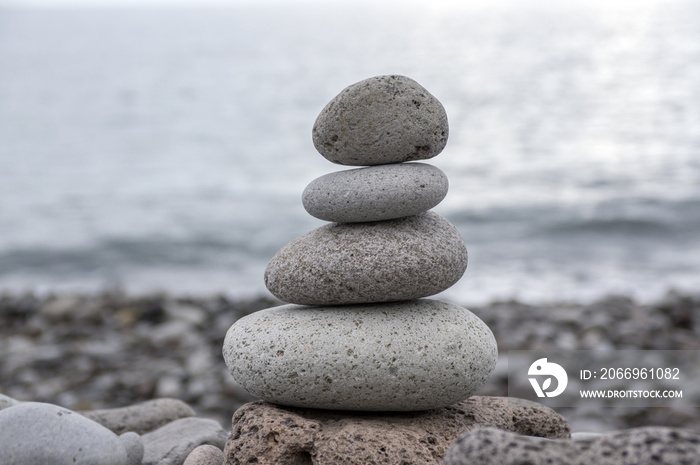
380,120
172,443
37,433
133,446
205,455
639,446
7,401
352,263
270,434
375,193
582,435
412,355
140,418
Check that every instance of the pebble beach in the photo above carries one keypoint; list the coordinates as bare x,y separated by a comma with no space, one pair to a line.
349,362
108,350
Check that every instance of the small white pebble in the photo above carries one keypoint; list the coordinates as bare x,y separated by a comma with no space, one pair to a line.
205,455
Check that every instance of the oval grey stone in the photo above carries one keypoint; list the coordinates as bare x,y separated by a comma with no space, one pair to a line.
375,193
133,446
351,263
205,455
383,119
172,443
140,418
400,356
35,432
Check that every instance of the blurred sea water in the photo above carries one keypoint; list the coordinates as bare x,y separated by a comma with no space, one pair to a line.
167,148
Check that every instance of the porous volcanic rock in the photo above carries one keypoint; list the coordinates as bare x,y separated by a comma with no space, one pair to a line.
268,434
639,446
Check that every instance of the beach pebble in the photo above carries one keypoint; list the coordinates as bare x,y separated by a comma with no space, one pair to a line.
383,119
205,455
340,437
583,435
401,356
140,418
36,433
82,380
375,193
172,443
133,446
351,263
640,446
7,401
61,307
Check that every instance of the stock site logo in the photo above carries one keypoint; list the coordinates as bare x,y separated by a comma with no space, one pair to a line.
541,368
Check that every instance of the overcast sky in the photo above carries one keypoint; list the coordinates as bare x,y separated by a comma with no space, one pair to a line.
108,3
178,3
98,3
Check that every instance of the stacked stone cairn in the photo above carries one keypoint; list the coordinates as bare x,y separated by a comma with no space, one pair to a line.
357,334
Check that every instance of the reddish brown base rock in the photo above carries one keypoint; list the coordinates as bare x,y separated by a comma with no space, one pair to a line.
264,433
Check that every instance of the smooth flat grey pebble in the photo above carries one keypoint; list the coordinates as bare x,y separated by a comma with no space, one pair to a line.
400,356
36,433
375,193
581,435
140,418
133,446
639,446
172,443
380,120
7,401
205,455
352,263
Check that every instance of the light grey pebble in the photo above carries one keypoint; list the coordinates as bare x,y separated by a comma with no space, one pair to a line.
639,446
380,120
189,313
60,307
36,433
352,263
581,435
140,418
375,193
205,455
172,443
7,401
400,356
133,446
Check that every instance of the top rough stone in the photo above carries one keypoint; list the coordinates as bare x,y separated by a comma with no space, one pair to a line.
381,120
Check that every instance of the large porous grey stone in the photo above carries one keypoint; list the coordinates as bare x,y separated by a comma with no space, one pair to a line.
383,119
375,193
140,418
640,446
352,263
269,434
400,356
172,443
37,433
